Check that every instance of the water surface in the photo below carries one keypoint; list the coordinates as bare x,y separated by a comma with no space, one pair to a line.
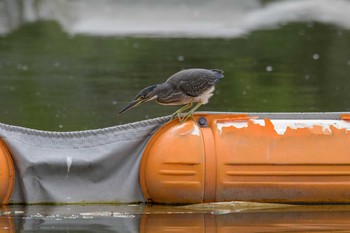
222,217
54,81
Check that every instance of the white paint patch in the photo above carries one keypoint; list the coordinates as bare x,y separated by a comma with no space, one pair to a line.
259,121
195,131
189,130
236,124
69,160
281,126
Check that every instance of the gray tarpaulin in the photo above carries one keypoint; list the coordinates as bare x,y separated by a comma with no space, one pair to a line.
91,166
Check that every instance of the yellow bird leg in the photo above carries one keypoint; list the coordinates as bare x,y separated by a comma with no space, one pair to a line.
190,113
179,111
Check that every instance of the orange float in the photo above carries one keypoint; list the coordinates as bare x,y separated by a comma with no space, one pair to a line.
7,174
237,157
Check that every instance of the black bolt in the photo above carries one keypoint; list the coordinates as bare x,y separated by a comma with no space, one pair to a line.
202,122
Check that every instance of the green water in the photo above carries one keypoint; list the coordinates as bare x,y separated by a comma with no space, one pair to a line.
53,81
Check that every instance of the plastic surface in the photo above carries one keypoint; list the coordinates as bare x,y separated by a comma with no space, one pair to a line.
7,174
180,160
239,157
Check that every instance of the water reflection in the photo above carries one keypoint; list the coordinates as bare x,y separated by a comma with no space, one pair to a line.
249,222
140,218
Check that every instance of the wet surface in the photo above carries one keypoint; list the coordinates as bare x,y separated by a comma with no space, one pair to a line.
217,217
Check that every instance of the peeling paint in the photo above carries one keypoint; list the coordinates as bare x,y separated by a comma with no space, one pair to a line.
185,129
196,131
236,124
281,126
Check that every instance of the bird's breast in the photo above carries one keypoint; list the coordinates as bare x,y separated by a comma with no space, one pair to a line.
205,96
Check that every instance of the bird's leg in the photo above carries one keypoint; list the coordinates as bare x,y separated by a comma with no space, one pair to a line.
190,113
178,112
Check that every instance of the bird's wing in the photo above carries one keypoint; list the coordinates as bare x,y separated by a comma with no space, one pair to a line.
197,85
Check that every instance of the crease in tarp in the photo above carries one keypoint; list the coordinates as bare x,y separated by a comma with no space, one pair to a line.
92,166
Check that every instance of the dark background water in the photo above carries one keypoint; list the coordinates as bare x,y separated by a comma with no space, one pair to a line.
52,80
56,82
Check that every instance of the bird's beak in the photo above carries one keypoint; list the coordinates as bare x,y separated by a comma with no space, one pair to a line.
132,104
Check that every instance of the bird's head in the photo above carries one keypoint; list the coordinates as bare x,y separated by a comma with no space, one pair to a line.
145,95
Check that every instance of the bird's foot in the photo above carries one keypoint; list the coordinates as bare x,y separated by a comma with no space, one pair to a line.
176,115
172,117
190,113
187,116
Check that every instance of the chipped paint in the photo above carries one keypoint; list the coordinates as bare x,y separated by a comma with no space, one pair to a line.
196,131
236,124
188,129
281,126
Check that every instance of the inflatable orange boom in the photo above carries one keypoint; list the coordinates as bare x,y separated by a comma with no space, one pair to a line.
240,157
264,157
7,174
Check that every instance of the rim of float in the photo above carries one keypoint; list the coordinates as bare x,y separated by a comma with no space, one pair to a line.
285,115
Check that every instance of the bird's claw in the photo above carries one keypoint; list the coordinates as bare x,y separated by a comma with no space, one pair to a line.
188,114
178,116
174,116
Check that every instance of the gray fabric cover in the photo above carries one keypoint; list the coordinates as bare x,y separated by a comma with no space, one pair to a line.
95,166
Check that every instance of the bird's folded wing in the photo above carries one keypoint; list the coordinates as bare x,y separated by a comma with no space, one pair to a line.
197,85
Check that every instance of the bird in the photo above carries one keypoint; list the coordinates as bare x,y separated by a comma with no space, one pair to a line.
186,87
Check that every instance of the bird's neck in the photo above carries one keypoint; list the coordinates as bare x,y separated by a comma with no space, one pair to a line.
163,90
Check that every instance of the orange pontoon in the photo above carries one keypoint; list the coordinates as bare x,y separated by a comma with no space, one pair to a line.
7,175
291,158
247,158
